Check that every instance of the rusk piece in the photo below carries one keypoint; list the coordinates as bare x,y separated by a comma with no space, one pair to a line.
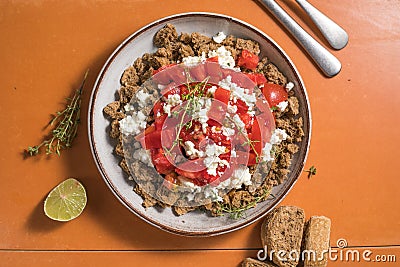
316,241
281,234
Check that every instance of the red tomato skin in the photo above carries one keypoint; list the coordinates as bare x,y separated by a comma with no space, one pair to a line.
212,59
248,60
163,68
247,120
222,95
257,78
158,108
160,161
198,73
159,121
274,93
241,106
153,140
162,77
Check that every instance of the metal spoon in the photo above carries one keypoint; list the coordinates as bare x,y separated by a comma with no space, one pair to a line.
334,34
327,62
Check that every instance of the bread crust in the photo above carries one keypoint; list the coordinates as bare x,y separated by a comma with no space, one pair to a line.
316,239
250,262
282,230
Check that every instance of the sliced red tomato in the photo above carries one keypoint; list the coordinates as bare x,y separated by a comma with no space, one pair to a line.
212,123
170,180
158,108
252,159
153,140
198,73
214,71
140,137
170,89
162,77
246,158
217,136
163,68
274,93
247,120
219,104
222,95
248,60
257,78
212,59
183,89
192,169
160,161
243,81
256,137
159,121
241,106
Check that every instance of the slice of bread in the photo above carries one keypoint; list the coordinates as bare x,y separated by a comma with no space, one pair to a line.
250,262
316,240
281,234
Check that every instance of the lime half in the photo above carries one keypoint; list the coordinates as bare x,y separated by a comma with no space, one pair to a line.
66,201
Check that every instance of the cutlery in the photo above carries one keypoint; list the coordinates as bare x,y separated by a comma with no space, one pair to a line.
334,34
327,62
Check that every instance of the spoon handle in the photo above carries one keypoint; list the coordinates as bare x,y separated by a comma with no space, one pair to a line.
327,62
334,34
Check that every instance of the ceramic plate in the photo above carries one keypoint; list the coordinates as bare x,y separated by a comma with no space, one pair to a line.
193,223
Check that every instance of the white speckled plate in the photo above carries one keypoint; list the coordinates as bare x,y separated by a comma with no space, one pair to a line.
193,223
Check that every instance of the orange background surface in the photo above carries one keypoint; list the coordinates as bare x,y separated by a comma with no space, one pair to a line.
45,48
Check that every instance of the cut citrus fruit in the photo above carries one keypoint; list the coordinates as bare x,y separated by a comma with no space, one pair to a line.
66,201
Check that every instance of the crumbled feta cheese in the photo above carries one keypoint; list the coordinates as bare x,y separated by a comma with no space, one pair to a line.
278,136
212,90
232,109
212,194
142,98
289,86
238,122
240,176
200,113
191,151
283,105
215,130
219,38
238,92
167,109
225,58
212,160
187,183
193,61
227,131
266,152
128,107
133,124
214,150
172,101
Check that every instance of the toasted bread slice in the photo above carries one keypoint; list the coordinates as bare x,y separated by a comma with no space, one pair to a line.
316,240
281,234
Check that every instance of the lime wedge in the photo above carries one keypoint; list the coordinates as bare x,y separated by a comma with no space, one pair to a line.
66,201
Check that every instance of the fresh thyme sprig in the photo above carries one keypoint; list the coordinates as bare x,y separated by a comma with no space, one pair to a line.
311,171
66,126
239,212
191,98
